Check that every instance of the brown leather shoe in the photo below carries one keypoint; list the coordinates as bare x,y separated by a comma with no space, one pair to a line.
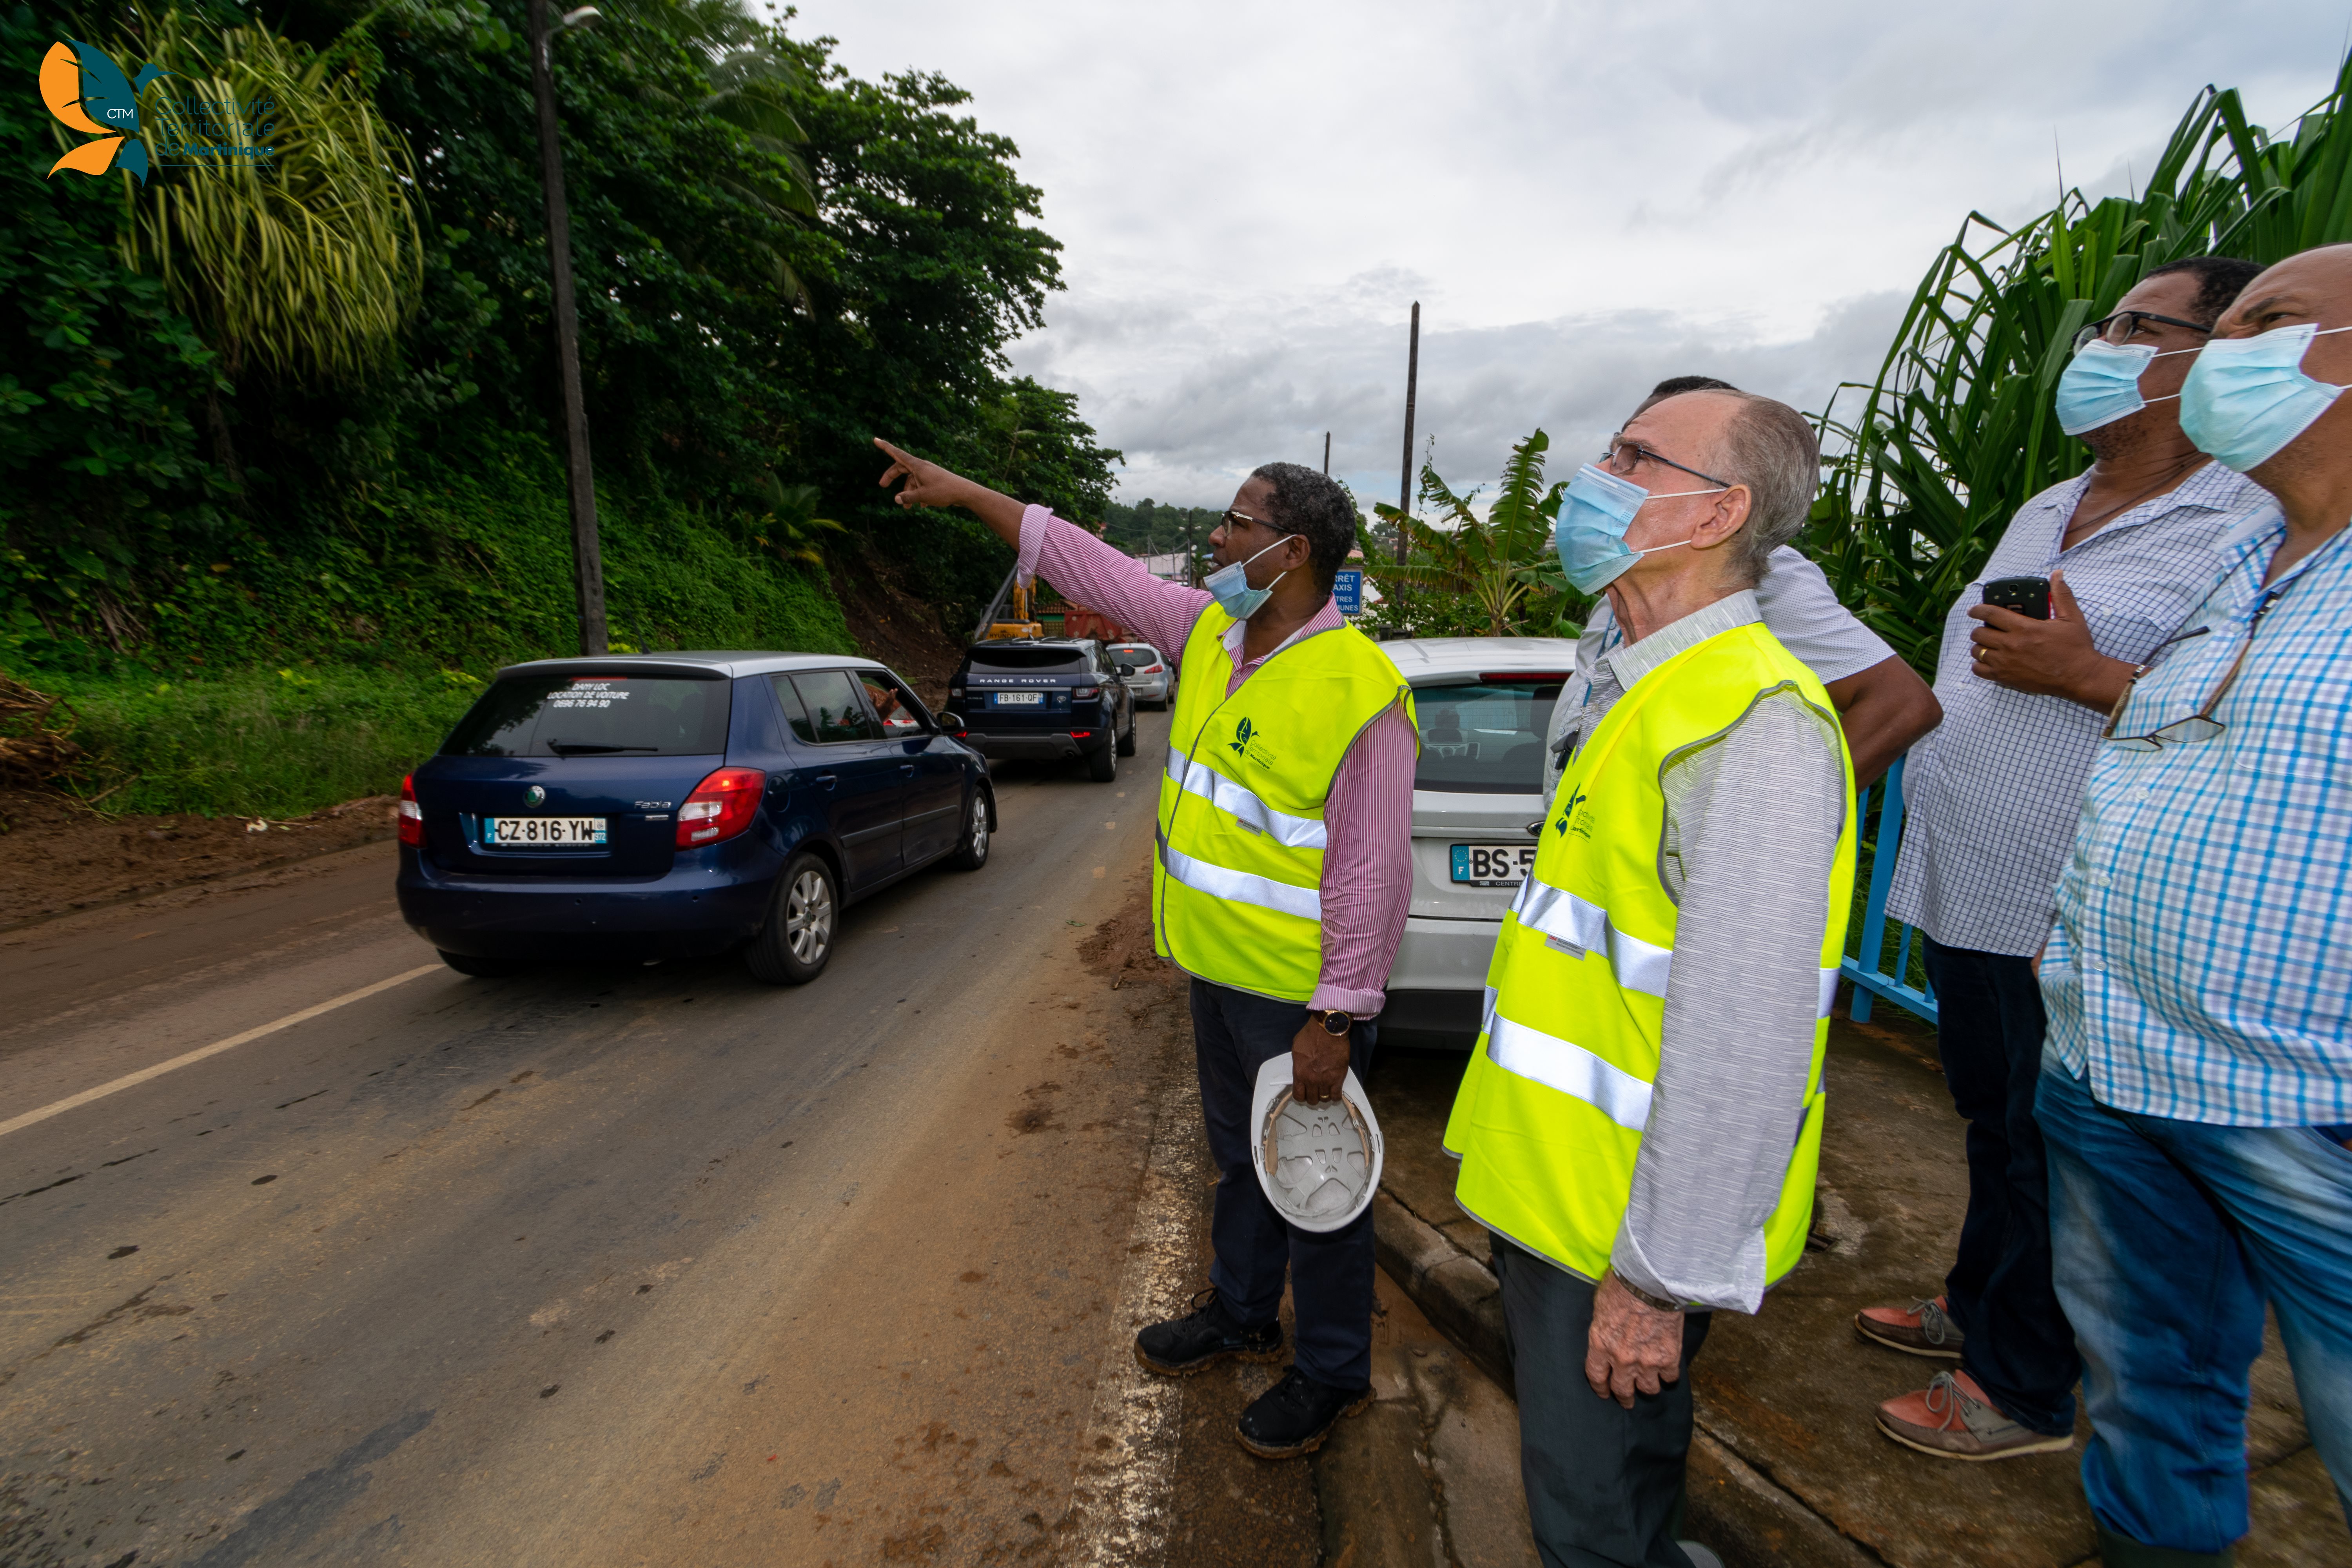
1921,1328
1952,1419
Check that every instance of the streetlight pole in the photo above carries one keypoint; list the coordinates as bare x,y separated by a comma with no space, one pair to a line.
587,555
1411,385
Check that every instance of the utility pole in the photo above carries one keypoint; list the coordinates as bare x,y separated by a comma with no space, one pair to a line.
1411,385
587,553
1327,454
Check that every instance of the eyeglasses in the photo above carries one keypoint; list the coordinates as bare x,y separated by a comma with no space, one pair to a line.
2124,325
2200,725
1625,457
1241,518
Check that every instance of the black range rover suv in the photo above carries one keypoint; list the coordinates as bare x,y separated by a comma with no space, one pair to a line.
1044,697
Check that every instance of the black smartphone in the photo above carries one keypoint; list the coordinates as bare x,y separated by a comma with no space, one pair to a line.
2026,596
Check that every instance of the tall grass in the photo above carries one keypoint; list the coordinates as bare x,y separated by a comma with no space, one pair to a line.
261,742
1958,430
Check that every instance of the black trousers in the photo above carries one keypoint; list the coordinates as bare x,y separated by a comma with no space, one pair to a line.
1604,1483
2019,1346
1234,1032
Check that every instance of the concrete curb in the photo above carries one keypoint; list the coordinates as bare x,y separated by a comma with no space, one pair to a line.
1733,1507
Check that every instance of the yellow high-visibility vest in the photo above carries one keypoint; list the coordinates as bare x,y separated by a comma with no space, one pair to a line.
1549,1120
1236,885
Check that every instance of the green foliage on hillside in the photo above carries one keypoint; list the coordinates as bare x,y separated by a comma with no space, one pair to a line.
775,262
1149,528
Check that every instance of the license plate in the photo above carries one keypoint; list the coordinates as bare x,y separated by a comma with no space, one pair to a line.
1493,865
504,832
1016,700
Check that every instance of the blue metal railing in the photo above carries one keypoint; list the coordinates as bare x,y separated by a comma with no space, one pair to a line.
1871,981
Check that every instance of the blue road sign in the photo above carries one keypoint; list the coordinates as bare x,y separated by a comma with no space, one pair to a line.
1348,588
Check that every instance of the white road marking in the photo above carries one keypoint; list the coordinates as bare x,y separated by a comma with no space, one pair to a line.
1127,1459
131,1080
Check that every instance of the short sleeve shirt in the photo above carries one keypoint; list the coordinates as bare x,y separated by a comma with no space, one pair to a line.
1799,608
1991,794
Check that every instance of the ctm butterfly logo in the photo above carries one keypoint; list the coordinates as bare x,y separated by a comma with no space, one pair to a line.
88,93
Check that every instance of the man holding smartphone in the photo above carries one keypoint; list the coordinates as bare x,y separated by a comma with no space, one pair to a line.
2113,561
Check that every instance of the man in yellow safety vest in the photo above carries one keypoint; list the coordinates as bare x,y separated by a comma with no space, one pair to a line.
1641,1118
1281,880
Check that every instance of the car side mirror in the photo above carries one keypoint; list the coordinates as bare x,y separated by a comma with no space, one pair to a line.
952,723
1127,669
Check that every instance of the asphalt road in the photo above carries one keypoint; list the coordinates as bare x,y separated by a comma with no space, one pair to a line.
653,1264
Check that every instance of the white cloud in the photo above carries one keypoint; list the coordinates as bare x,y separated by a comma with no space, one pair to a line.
1584,197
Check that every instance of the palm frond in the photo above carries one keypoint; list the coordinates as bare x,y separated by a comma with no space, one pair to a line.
305,263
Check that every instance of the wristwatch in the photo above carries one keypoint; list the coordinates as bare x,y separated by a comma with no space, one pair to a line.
1335,1022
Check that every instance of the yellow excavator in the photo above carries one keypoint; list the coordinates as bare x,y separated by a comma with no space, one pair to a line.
1019,622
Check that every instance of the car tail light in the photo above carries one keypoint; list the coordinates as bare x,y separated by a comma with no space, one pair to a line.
1080,734
1154,669
1085,693
412,815
721,806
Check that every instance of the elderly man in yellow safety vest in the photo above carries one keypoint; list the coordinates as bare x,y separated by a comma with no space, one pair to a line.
1641,1120
1283,875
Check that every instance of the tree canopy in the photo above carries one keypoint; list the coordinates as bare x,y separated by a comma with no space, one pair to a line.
775,261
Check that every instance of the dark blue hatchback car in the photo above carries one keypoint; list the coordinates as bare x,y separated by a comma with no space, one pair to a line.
671,805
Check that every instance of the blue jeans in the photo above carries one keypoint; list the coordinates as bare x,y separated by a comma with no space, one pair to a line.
1989,1033
1235,1033
2169,1236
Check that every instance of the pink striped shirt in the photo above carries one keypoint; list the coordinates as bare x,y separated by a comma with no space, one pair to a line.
1368,818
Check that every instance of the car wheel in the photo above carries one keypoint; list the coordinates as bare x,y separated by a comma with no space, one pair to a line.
1103,766
972,853
481,968
802,918
1127,740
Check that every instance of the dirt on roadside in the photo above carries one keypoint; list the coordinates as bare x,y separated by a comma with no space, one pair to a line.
58,855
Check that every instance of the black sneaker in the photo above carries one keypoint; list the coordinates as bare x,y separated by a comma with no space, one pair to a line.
1204,1337
1295,1415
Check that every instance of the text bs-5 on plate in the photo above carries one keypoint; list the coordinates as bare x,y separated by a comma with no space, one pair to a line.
1493,865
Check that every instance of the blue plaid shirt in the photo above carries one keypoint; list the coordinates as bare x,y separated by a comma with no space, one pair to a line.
2199,969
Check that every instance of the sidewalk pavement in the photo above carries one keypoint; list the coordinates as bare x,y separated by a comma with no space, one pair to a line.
1787,1468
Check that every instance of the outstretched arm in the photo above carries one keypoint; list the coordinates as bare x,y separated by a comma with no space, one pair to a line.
1080,566
927,484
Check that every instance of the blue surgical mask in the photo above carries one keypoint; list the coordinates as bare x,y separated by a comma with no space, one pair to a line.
2101,384
1230,586
1594,513
2246,398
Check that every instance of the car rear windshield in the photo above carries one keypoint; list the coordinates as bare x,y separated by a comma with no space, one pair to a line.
1015,657
1485,737
570,715
1135,653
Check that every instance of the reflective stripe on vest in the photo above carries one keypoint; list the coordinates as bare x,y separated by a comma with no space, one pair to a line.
1638,966
1235,798
1241,887
1570,1068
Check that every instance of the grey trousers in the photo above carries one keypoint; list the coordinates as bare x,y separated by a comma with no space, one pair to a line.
1604,1483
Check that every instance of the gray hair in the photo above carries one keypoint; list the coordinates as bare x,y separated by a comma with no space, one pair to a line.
1769,448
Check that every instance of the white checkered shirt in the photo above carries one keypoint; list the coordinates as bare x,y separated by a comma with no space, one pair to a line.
2199,970
1990,794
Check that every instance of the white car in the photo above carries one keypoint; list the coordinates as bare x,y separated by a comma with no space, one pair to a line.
1152,681
1484,706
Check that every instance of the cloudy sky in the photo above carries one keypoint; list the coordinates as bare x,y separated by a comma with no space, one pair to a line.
1583,197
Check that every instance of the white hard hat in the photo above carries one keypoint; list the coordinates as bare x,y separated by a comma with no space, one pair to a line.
1319,1164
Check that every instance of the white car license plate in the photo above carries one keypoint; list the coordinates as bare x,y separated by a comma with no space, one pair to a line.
1492,865
1017,699
502,832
